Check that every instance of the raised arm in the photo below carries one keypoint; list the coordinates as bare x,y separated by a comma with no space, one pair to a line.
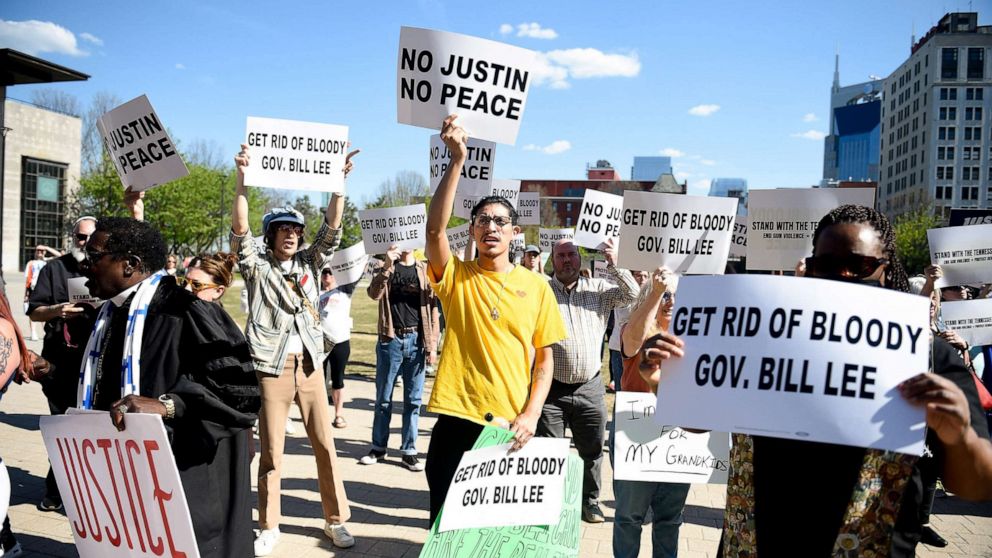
335,209
438,251
239,211
135,203
55,253
643,317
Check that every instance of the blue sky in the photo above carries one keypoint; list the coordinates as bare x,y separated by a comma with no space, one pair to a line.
630,76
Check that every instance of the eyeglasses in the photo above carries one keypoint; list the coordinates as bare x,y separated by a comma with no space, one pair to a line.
286,227
93,256
80,237
851,265
667,297
483,221
195,285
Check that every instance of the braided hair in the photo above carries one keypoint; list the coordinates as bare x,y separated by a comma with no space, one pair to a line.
895,273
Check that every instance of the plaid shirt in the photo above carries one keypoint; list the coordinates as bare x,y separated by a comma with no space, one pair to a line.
586,310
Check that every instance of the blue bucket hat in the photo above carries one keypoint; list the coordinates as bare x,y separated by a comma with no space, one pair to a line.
282,215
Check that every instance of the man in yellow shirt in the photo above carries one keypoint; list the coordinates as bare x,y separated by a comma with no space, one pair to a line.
496,314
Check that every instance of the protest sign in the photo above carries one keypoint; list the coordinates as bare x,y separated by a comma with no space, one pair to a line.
599,219
963,253
561,539
778,356
121,490
349,264
458,238
738,241
484,82
477,174
529,208
961,217
403,226
518,243
507,189
599,270
644,451
689,234
140,146
547,238
79,293
781,222
296,155
971,319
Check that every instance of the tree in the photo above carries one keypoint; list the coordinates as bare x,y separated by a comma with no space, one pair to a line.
911,237
92,148
406,188
57,100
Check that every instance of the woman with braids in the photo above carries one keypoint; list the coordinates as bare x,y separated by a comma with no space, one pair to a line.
810,499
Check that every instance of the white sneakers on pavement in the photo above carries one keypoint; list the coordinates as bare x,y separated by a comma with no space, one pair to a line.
339,535
266,541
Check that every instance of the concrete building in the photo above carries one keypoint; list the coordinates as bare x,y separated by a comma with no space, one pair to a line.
731,188
650,168
934,147
850,151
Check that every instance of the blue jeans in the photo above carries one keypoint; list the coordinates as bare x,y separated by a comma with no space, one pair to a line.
633,499
403,356
616,368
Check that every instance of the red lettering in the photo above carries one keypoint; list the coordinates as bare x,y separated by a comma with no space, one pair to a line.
95,533
80,529
162,497
114,539
132,448
130,498
104,444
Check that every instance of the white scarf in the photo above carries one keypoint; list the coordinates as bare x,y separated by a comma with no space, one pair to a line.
131,362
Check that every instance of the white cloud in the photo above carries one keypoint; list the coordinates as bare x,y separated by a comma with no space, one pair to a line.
814,135
180,66
703,110
531,30
553,148
672,152
810,117
556,67
91,38
700,187
505,29
707,162
36,37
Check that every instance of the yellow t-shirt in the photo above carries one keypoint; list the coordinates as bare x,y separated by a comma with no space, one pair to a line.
485,363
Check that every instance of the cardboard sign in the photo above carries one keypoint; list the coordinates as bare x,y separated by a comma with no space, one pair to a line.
643,451
738,241
518,243
464,202
689,234
971,319
79,293
484,82
778,356
140,146
599,219
529,208
547,238
403,226
296,155
781,222
121,490
599,271
477,174
458,238
349,264
963,253
560,539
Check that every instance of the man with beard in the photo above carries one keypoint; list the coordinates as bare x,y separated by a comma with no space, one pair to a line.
67,327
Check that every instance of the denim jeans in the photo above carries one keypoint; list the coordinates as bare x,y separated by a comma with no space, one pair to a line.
616,368
403,356
633,499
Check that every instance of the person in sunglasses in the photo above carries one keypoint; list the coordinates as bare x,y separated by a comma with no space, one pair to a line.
209,276
794,498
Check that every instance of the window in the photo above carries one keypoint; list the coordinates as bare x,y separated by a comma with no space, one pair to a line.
945,173
947,113
969,173
976,63
948,63
568,207
943,93
973,134
969,193
568,221
946,133
973,113
42,195
970,153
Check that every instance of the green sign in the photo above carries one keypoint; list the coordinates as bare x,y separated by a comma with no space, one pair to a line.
554,541
47,189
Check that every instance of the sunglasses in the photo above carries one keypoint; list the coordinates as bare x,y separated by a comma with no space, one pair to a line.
195,285
852,265
483,221
80,237
666,297
92,256
286,227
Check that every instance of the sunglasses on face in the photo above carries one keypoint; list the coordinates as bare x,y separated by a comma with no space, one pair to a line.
667,297
483,221
286,227
93,256
195,285
80,237
853,265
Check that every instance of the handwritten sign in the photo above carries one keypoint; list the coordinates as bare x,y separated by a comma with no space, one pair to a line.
484,82
121,490
296,155
349,264
143,153
781,222
403,226
599,219
963,253
738,241
777,356
971,319
547,238
529,208
477,174
644,451
79,293
689,234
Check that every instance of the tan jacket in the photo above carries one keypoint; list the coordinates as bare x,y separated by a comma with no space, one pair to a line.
378,289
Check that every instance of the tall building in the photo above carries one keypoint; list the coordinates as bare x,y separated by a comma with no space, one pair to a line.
650,168
934,148
850,151
731,188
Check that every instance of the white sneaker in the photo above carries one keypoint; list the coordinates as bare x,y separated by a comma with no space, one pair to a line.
266,541
339,535
290,427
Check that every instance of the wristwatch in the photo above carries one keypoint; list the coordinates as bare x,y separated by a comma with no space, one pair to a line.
170,405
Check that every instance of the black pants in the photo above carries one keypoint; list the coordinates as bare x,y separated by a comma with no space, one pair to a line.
334,365
450,438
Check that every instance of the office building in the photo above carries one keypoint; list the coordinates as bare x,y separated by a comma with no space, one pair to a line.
650,168
850,151
731,188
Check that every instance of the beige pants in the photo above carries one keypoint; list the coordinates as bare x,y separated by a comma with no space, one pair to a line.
299,382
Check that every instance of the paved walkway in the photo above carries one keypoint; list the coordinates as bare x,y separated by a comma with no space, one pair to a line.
389,503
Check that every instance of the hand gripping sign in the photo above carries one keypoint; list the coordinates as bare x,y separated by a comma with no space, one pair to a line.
296,155
477,174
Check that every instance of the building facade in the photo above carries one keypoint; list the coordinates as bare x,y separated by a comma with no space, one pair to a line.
851,150
650,168
731,188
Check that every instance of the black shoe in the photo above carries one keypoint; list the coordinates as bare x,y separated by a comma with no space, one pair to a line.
411,462
931,538
49,504
592,514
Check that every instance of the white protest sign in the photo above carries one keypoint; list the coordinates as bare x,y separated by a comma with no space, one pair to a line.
689,234
963,253
121,490
403,226
464,202
781,222
140,146
644,451
529,208
349,264
458,238
599,271
738,241
296,155
484,82
494,488
79,293
778,356
599,219
477,174
547,238
971,319
518,243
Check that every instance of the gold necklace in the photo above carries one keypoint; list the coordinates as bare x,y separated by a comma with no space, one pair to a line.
499,297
